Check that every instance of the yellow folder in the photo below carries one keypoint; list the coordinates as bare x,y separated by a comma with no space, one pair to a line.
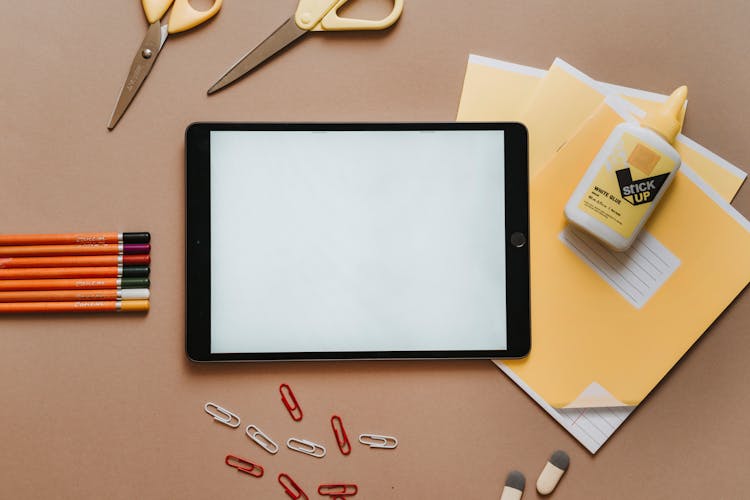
584,331
575,353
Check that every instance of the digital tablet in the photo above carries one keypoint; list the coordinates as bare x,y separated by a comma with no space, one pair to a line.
357,241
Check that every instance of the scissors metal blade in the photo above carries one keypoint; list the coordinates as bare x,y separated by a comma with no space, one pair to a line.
283,36
140,68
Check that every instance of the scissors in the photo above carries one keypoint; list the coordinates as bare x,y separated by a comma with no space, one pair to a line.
182,17
311,15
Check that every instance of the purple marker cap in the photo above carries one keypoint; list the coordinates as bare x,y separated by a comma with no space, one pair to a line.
130,249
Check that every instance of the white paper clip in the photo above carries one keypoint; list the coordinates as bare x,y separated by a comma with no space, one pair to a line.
261,439
376,441
306,447
223,415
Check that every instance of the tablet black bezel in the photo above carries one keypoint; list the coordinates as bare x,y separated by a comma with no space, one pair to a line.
198,242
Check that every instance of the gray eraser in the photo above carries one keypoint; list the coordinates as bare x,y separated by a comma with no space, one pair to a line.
516,480
560,459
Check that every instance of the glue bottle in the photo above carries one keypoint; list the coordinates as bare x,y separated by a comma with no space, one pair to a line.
629,175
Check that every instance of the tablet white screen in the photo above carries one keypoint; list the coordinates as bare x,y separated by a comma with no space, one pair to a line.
357,241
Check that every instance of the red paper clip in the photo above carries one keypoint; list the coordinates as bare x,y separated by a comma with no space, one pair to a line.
337,490
340,433
291,488
292,407
243,465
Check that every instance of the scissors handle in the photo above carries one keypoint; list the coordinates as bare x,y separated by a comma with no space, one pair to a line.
155,9
322,15
183,15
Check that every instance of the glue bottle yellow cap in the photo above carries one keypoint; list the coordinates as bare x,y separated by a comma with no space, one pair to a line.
667,120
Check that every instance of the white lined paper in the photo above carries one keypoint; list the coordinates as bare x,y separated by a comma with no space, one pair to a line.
596,424
590,426
636,274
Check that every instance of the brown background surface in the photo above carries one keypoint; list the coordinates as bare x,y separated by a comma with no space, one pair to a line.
109,407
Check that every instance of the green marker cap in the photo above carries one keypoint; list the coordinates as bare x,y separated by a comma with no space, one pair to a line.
135,271
135,282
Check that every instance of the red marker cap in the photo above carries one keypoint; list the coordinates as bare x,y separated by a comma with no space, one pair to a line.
136,260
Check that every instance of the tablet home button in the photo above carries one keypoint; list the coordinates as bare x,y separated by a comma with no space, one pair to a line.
517,240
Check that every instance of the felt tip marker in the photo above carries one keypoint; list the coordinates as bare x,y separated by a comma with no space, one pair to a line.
75,284
74,272
76,261
75,295
56,250
73,238
80,306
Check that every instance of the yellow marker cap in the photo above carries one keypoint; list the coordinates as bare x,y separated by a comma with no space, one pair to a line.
134,305
667,120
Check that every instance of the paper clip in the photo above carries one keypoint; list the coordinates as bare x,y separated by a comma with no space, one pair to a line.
292,406
337,490
340,433
261,439
224,416
376,441
291,488
306,447
243,465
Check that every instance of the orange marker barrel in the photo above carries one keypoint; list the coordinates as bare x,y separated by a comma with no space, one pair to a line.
80,306
58,295
75,261
56,250
74,284
73,238
74,272
74,295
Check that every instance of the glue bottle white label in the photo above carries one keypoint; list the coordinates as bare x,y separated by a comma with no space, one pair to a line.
628,176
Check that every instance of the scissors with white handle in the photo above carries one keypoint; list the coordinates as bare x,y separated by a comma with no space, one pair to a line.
182,17
311,15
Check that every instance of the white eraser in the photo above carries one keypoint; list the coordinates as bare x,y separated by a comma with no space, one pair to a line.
552,473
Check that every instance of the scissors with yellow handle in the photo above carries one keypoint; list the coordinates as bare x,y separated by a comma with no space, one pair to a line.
311,15
182,17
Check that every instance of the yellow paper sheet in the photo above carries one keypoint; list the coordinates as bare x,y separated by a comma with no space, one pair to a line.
496,90
721,175
584,331
562,101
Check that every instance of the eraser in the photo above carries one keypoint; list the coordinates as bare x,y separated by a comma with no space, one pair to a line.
514,486
552,473
560,459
